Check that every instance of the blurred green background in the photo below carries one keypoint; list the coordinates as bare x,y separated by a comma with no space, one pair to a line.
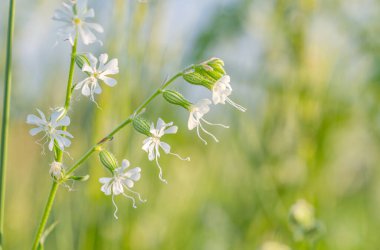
308,72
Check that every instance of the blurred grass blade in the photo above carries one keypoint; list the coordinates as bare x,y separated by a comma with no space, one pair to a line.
5,118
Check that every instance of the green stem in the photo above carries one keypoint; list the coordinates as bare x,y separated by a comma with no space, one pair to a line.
5,118
59,156
93,149
121,125
49,205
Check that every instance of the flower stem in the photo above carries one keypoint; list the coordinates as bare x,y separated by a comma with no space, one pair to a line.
93,149
5,118
59,155
45,216
121,125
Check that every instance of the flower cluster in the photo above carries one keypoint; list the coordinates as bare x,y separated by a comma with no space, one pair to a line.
101,71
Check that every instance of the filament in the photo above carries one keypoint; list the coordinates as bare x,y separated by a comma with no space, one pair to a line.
114,203
183,159
200,137
130,197
237,106
215,124
138,195
160,174
204,130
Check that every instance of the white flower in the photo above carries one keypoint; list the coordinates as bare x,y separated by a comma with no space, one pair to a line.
56,170
221,90
121,182
74,15
152,144
90,85
50,128
197,111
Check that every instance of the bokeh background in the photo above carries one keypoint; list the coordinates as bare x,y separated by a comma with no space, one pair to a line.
308,72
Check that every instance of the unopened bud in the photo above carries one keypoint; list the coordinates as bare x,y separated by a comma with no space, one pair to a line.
141,125
176,98
108,160
206,73
81,59
56,170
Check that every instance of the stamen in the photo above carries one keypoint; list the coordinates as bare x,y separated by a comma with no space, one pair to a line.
237,106
183,159
215,124
134,192
200,137
130,197
160,174
204,130
114,214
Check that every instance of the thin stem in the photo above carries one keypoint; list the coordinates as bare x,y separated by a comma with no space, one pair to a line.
121,125
69,90
59,156
93,149
5,118
49,205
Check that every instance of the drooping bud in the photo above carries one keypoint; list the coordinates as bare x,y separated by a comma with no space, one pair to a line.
79,178
205,73
176,98
108,160
81,59
141,125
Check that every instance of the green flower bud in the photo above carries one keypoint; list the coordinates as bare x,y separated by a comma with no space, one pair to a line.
198,76
176,98
141,125
81,59
205,73
79,178
108,160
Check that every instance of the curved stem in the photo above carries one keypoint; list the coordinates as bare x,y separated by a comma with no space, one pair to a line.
93,149
49,205
5,118
121,125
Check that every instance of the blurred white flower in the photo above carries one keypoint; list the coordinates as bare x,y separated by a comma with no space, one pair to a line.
197,111
50,128
273,245
152,144
221,90
90,85
121,182
74,15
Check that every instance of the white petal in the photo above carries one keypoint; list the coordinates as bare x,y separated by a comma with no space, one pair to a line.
35,131
117,188
111,67
108,80
32,119
165,147
103,58
65,121
125,163
86,90
97,27
192,123
171,130
128,183
105,180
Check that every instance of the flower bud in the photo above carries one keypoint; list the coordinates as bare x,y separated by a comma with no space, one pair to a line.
81,59
205,73
108,160
141,125
176,98
198,76
56,170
